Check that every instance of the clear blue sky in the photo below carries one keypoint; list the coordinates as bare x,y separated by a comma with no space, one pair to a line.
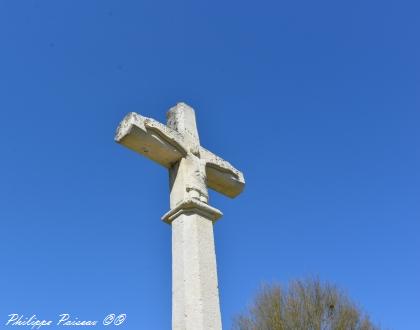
317,102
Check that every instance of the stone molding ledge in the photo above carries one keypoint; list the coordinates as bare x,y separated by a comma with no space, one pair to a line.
192,205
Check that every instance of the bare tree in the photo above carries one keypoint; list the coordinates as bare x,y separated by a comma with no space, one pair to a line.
304,305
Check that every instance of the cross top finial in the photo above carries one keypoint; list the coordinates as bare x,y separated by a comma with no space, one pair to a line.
181,118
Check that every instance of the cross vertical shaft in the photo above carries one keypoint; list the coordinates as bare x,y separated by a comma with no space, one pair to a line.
195,293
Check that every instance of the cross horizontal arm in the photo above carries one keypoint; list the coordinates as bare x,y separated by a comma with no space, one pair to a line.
152,139
221,175
167,146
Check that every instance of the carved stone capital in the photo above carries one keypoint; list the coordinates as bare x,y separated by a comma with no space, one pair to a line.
195,206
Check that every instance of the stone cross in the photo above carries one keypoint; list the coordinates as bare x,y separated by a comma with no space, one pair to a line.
192,169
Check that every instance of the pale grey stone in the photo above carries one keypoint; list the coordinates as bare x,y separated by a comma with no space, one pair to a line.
192,170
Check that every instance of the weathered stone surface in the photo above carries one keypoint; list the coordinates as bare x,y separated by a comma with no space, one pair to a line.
151,139
192,169
193,205
221,175
166,145
181,118
194,281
